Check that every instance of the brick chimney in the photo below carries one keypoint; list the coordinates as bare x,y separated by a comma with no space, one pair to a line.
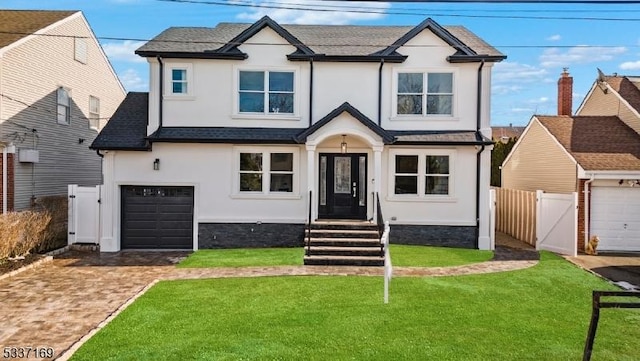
565,93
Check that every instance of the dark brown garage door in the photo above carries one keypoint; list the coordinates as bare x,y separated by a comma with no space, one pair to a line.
157,217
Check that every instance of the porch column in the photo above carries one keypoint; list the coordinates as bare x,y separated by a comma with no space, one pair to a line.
377,175
311,181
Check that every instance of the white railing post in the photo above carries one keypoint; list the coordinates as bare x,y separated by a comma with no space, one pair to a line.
388,269
71,214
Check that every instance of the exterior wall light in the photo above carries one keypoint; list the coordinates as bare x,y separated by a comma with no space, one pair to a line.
343,145
156,164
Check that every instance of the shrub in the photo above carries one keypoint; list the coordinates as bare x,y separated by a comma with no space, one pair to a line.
21,232
55,235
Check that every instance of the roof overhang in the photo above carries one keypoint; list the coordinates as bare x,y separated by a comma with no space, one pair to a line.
608,174
348,58
193,55
475,58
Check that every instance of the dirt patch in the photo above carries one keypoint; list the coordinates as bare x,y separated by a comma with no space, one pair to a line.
7,266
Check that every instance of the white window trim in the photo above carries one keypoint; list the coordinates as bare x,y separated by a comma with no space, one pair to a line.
424,116
168,81
69,98
266,173
422,158
266,115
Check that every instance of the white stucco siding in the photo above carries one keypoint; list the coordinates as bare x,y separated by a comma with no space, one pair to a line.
457,209
32,71
213,93
212,170
336,83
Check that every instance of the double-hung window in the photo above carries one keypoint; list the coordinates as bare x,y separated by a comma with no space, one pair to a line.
266,172
424,94
266,92
179,83
94,112
64,106
422,174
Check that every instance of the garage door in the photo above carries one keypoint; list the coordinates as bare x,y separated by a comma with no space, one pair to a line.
157,217
615,218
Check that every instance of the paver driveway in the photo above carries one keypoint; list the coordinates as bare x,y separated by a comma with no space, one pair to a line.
56,304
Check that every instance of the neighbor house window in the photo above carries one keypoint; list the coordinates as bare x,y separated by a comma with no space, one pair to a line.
424,94
266,92
422,173
64,106
94,112
266,172
80,50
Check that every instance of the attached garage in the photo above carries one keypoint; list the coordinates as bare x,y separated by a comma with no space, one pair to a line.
615,217
157,217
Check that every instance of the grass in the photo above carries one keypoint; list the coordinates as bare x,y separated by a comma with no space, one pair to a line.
541,313
402,256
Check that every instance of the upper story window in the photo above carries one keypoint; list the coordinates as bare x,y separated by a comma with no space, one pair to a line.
94,112
179,81
266,92
80,50
64,106
424,94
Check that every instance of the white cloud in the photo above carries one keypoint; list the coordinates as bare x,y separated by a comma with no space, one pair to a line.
132,81
582,54
297,12
555,37
515,74
539,100
124,51
630,65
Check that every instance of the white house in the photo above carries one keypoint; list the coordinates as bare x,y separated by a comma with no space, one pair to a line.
250,130
57,90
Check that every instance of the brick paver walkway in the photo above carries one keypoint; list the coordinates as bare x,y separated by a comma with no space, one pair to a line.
56,304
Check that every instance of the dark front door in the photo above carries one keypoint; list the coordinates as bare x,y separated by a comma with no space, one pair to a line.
343,186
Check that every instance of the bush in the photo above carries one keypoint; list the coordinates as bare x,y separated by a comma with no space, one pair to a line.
21,232
55,235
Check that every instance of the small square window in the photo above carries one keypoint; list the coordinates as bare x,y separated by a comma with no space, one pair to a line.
179,81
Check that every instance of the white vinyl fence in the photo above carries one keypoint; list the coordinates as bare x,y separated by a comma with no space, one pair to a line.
546,221
84,213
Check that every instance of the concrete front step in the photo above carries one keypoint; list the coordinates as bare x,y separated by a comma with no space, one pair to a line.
343,261
345,251
340,225
343,233
344,242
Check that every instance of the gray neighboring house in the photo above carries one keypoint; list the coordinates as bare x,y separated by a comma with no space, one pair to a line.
57,90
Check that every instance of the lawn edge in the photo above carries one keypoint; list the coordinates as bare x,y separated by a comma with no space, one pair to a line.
66,354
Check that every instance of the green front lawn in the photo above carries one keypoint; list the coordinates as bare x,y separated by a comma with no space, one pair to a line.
540,313
401,255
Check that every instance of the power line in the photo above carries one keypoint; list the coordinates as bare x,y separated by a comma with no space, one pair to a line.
309,7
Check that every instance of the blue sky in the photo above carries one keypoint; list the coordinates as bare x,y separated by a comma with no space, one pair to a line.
523,85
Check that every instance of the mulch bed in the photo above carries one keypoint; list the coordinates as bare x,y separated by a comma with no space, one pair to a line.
7,266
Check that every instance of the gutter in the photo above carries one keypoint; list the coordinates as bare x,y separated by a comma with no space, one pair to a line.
161,95
310,91
586,209
478,154
380,93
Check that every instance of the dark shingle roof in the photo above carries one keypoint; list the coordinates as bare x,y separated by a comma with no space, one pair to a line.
439,137
17,24
628,88
127,128
598,143
330,40
225,135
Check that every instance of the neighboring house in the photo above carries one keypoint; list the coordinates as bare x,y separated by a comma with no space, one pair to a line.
595,153
57,90
504,134
250,128
504,139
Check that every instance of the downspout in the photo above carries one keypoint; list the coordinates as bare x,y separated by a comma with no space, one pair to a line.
478,154
310,92
380,93
586,209
161,95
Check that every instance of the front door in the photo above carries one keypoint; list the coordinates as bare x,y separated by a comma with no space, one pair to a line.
343,186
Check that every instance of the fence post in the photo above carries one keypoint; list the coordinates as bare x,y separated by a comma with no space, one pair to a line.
538,217
71,214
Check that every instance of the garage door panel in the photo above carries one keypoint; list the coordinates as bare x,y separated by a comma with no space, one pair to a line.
615,218
157,217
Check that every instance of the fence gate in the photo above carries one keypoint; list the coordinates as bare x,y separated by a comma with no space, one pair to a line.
84,213
557,222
